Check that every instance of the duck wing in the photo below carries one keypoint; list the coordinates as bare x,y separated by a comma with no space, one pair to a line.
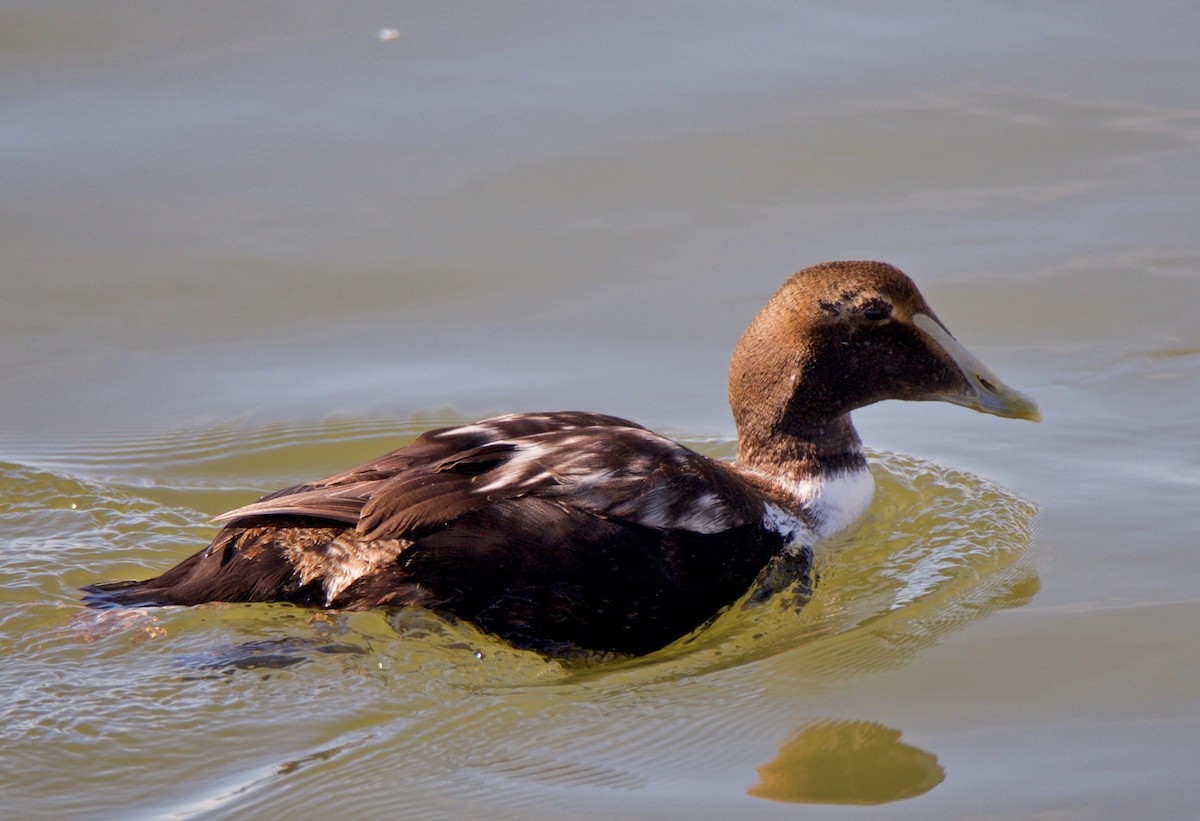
596,464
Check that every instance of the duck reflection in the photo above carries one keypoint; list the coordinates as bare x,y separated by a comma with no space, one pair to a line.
847,762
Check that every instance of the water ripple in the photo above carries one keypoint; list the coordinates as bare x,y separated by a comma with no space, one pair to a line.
237,709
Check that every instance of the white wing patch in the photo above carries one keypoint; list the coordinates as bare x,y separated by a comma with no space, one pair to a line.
523,469
620,482
660,508
479,428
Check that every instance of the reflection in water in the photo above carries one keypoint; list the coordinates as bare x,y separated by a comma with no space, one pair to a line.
847,762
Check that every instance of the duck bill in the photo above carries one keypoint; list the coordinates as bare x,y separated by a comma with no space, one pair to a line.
985,392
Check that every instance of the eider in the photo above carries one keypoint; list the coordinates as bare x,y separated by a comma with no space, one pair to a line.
569,531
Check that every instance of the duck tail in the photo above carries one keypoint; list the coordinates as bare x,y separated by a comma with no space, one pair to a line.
218,573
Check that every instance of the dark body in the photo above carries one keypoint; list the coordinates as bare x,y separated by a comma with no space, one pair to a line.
504,524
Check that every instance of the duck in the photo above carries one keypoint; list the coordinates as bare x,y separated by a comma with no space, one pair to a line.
571,531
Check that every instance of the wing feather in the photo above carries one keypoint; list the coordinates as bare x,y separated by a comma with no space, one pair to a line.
599,465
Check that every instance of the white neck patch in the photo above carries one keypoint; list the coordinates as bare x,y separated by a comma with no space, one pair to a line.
837,501
832,503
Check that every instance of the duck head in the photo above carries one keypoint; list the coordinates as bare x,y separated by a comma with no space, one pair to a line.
842,335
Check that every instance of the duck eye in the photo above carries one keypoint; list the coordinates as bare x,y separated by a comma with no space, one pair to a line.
877,311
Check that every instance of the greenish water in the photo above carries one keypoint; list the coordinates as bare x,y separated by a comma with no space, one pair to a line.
290,698
246,245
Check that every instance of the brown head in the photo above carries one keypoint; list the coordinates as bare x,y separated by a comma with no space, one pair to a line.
842,335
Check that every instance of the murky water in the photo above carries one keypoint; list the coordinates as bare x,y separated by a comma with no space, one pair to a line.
251,244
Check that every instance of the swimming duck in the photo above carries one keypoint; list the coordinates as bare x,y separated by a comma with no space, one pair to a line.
585,531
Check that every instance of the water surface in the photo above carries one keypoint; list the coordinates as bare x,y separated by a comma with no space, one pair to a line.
250,244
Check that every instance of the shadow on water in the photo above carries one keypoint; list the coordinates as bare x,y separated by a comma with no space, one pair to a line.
295,710
266,655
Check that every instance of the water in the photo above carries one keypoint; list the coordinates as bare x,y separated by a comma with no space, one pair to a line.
247,245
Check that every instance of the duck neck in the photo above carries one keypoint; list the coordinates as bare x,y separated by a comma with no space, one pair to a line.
818,469
802,452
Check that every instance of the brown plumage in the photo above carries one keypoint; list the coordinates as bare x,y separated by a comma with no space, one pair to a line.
578,530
